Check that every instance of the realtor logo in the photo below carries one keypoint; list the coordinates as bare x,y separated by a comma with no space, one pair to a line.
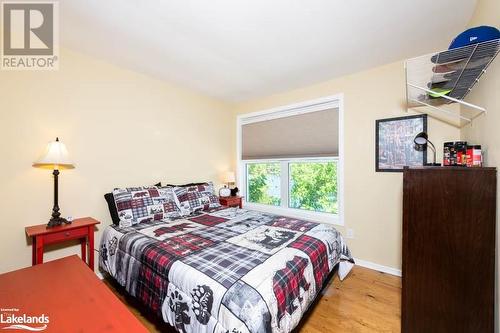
30,39
11,319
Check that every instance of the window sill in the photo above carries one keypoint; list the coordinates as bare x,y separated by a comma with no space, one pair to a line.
297,213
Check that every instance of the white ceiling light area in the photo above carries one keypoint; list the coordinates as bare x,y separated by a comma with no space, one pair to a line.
242,49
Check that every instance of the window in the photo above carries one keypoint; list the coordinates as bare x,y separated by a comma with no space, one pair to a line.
264,181
290,160
297,183
313,186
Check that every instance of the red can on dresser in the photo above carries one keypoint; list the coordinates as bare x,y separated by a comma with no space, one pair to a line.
461,148
469,156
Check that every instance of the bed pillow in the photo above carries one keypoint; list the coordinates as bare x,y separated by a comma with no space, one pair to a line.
142,204
196,197
207,195
110,200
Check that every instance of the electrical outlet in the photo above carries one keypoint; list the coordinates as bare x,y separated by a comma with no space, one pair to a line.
349,233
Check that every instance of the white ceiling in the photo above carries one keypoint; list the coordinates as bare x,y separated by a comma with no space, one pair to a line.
242,49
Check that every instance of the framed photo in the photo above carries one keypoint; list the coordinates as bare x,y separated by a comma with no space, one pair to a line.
395,148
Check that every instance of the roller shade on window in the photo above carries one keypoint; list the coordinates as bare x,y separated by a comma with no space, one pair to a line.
313,134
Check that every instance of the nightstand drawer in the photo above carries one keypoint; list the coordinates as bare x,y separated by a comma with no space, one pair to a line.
65,235
231,201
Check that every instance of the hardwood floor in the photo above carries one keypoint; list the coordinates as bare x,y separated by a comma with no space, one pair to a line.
366,301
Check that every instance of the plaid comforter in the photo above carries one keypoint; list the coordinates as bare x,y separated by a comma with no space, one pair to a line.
227,270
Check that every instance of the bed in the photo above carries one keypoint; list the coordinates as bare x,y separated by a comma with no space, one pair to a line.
226,270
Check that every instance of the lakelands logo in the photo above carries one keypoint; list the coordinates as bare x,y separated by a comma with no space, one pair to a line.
15,321
30,39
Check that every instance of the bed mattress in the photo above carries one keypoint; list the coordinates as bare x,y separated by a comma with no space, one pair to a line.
228,270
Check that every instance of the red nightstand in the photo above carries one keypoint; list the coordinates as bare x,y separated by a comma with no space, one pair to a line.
81,229
235,201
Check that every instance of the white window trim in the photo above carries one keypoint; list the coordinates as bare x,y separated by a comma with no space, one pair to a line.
320,104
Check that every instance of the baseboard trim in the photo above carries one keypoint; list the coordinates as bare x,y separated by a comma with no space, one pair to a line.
377,267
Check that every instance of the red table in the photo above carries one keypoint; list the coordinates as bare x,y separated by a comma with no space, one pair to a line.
235,201
69,295
81,229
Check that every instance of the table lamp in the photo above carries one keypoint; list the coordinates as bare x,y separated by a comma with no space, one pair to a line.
228,178
421,140
55,158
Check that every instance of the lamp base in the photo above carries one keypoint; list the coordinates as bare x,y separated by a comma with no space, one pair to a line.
55,221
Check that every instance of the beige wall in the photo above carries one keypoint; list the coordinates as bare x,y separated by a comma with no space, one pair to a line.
121,128
373,200
485,129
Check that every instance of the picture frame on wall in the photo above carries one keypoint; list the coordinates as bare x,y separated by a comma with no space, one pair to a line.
394,146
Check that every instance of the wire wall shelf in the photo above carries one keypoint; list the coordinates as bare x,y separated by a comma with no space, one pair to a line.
436,81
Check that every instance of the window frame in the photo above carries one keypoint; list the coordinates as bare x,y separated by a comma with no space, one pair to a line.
321,104
285,208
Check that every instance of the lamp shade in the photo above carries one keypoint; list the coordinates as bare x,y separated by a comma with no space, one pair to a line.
54,157
228,177
421,138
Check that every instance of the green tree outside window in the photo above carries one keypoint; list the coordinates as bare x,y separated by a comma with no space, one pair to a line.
313,186
264,183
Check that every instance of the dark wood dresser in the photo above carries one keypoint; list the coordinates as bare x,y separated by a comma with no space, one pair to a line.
449,217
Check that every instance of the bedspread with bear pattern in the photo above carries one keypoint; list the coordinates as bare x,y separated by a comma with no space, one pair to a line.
227,270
